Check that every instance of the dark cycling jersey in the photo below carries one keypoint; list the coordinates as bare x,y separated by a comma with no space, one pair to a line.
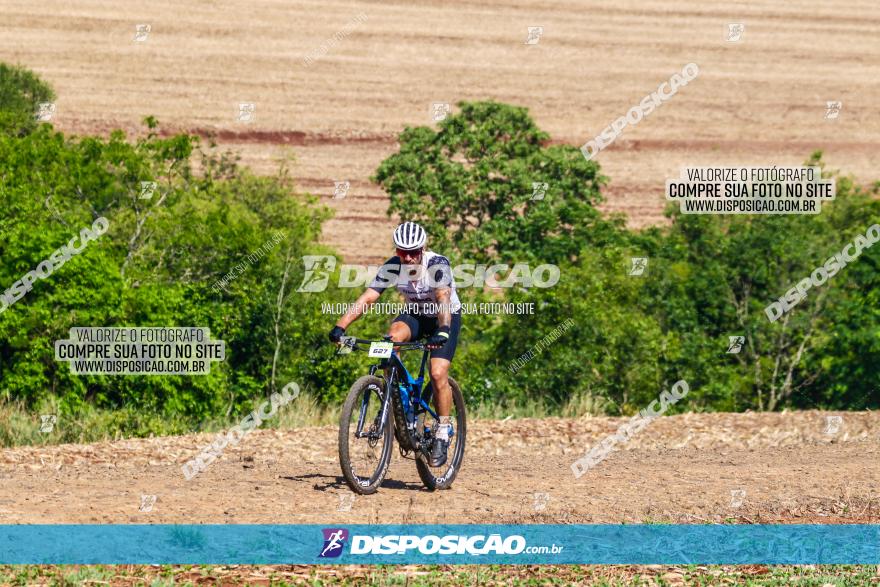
419,283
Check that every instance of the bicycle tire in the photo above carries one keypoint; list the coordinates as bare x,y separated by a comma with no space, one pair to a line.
453,467
358,484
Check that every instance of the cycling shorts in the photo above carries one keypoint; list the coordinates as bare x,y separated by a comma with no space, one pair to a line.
423,326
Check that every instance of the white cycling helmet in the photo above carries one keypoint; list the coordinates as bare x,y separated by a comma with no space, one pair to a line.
409,236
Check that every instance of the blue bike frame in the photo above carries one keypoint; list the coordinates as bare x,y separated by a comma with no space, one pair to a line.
410,390
411,387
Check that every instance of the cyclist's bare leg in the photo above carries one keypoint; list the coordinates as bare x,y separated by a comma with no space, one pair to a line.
440,383
399,332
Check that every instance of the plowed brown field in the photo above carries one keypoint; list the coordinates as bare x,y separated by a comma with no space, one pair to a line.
759,101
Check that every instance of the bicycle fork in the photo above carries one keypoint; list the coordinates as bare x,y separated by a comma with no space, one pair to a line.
382,420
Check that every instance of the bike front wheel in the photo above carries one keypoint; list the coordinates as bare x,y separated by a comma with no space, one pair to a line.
364,444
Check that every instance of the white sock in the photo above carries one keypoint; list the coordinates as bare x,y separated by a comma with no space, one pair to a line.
443,428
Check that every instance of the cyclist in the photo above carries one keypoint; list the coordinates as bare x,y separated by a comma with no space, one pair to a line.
424,278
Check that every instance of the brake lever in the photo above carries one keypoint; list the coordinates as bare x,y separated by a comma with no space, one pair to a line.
346,345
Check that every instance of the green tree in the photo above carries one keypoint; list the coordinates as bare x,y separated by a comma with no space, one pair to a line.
719,273
709,278
471,185
21,92
157,265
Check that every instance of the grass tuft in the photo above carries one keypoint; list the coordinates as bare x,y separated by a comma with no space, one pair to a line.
89,424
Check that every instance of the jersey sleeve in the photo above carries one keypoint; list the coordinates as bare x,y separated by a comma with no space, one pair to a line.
387,275
439,272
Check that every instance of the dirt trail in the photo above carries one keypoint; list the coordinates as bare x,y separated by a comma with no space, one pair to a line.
680,468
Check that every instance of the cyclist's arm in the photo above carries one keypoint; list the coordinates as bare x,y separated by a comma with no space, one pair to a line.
382,281
366,299
444,313
442,276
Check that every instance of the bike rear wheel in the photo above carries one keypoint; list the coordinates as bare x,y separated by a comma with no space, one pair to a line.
365,459
442,477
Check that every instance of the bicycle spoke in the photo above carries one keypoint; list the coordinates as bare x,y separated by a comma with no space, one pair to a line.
366,448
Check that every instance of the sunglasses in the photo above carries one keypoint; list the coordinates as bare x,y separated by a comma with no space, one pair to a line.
403,253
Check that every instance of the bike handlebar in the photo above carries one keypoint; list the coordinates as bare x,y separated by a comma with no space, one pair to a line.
352,343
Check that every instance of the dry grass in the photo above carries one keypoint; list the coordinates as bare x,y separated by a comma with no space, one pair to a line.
23,426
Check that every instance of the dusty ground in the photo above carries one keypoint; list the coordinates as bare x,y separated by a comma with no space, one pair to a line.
467,575
680,469
760,101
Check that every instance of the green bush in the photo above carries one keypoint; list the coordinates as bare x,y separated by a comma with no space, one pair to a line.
21,93
157,265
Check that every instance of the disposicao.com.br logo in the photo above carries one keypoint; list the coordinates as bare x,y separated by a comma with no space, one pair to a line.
319,269
334,542
398,544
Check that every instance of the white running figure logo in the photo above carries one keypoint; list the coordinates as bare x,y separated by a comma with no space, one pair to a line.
335,540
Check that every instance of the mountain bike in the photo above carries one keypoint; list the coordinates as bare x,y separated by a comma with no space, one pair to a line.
389,401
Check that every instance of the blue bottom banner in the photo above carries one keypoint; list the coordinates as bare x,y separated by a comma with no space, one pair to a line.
440,544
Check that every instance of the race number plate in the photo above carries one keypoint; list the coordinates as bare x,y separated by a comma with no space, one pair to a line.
380,349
